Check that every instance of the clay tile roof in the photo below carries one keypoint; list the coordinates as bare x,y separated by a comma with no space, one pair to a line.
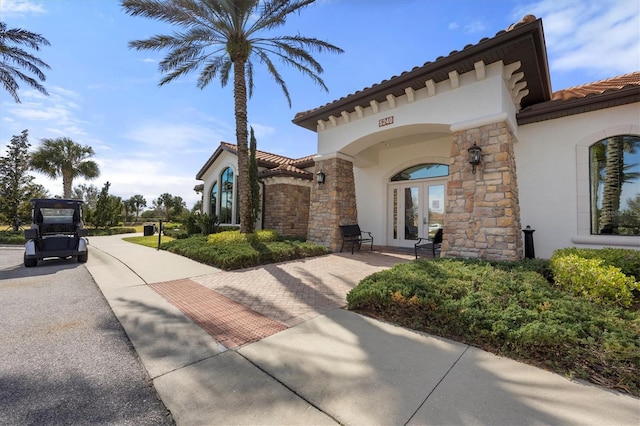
287,170
522,41
609,93
598,87
262,156
265,159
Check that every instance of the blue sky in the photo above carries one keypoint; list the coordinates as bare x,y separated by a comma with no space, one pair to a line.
150,139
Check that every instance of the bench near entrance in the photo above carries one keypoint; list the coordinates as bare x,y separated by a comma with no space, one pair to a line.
351,234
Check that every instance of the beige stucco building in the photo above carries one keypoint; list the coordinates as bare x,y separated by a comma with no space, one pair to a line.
395,158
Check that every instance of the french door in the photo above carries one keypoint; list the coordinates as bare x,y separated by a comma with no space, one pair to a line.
416,209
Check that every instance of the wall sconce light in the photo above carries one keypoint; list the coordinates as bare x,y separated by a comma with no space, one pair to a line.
320,177
475,156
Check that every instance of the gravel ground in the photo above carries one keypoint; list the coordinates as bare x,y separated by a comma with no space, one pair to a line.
64,357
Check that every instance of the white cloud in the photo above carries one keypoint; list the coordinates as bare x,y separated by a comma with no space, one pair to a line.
471,27
167,136
57,113
475,27
602,37
21,7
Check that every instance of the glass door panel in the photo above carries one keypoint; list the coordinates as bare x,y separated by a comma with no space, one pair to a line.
435,209
416,210
411,213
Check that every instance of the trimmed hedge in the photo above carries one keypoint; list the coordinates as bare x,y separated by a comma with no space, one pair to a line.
232,250
627,260
603,275
10,237
509,311
593,279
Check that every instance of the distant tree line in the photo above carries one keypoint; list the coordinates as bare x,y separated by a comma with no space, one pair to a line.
66,159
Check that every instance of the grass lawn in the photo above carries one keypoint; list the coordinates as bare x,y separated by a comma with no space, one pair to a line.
233,250
148,241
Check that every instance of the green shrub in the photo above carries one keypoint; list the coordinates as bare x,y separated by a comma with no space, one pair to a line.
227,237
593,279
232,250
510,311
176,233
628,260
95,232
10,237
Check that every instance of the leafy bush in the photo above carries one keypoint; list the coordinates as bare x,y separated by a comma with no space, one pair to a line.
593,279
95,232
509,311
10,237
627,260
176,233
232,250
227,237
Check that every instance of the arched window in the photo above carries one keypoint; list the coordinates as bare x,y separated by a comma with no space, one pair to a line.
214,199
614,175
422,171
226,196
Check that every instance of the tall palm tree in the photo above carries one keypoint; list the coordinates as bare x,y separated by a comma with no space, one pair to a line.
63,157
219,35
138,202
616,174
12,58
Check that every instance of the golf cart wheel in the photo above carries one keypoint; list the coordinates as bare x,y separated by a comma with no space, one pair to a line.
29,263
82,258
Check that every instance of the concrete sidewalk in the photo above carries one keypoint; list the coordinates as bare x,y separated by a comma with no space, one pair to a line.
317,364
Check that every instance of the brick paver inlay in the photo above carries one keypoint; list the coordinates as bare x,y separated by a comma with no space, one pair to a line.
229,322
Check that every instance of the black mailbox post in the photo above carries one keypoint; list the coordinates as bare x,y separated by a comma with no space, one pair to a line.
529,251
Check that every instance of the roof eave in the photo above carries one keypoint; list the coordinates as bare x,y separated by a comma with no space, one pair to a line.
503,46
556,109
212,159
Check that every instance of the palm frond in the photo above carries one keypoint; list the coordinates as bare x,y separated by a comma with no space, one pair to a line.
274,73
24,60
20,36
10,85
214,67
179,71
180,56
250,84
274,13
312,74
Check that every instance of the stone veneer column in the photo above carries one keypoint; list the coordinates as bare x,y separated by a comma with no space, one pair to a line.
482,217
333,203
286,205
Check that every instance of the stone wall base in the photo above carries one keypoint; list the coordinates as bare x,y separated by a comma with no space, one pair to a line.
332,203
286,208
482,217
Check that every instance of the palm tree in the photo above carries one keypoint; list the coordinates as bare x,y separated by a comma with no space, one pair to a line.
616,174
138,202
13,58
63,157
223,34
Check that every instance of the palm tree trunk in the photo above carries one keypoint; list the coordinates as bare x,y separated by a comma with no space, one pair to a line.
612,187
595,184
67,182
240,98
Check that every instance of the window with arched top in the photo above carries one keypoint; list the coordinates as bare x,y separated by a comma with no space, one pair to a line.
422,171
226,196
614,176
